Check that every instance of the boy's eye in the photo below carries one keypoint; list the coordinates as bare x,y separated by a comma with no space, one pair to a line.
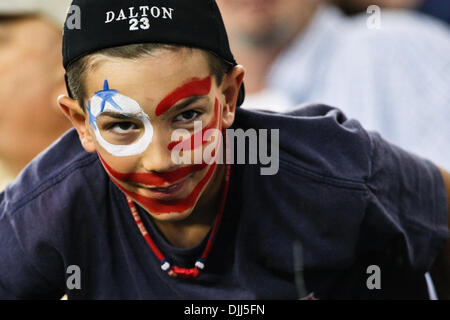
187,115
121,132
122,127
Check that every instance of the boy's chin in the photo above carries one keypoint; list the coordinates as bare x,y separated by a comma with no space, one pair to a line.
172,216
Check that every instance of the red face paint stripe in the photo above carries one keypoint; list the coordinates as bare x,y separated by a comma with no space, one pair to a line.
190,144
159,207
175,205
181,205
156,180
196,87
178,205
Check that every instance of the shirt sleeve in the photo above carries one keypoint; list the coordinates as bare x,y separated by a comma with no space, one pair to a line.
406,216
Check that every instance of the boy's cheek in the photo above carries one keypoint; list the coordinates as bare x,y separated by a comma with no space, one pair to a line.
120,164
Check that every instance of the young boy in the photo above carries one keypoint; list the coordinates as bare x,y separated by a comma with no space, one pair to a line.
120,217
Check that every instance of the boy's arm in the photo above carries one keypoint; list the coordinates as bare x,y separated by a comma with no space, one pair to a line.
440,271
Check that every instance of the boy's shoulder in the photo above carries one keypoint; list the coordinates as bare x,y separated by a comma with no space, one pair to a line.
58,173
316,139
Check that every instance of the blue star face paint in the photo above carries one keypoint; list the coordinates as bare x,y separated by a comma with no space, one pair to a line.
130,131
107,95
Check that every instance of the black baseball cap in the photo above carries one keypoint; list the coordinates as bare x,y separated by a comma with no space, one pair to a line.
112,23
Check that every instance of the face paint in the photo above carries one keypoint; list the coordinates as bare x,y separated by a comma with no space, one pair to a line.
159,207
156,206
169,206
112,102
199,138
194,87
154,180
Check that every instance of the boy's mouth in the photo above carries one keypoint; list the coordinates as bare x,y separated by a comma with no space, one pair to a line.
167,191
160,180
170,196
163,193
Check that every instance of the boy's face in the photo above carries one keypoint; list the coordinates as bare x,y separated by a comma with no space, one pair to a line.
147,100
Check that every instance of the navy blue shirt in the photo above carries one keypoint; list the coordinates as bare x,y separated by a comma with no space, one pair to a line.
350,198
437,8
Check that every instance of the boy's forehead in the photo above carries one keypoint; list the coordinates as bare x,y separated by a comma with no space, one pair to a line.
149,79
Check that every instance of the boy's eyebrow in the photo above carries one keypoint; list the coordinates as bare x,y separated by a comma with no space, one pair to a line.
116,115
195,87
177,107
187,102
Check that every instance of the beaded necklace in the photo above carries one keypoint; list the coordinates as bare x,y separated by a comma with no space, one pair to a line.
166,266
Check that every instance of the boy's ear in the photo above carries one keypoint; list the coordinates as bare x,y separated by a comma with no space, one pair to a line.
76,115
230,88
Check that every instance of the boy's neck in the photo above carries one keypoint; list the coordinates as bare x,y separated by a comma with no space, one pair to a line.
191,231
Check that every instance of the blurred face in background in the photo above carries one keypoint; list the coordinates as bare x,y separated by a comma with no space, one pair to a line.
354,6
31,79
265,23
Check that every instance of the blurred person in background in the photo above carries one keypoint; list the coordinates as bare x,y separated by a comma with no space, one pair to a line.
394,79
437,8
31,79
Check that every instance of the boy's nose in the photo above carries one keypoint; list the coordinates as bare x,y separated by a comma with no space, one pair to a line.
157,157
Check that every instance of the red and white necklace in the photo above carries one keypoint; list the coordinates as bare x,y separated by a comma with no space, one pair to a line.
166,266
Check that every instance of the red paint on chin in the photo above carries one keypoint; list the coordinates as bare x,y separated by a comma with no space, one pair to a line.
195,87
157,206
